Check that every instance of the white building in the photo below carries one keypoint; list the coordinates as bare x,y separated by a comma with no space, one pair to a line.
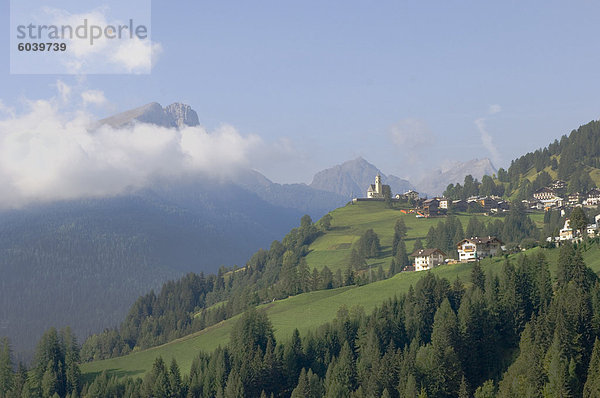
414,195
593,197
375,191
544,194
428,258
444,203
566,233
477,248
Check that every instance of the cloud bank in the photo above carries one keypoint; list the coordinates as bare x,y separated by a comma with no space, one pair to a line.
47,154
411,136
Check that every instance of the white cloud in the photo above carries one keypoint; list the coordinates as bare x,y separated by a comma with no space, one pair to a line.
487,140
411,136
493,109
64,90
6,110
136,56
94,97
46,154
105,55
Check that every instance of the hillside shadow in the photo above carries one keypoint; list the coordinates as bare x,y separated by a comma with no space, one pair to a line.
340,228
89,377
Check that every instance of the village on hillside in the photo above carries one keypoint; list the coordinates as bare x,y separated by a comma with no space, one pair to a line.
549,198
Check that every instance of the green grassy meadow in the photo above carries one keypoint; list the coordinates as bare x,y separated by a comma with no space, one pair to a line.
309,310
351,221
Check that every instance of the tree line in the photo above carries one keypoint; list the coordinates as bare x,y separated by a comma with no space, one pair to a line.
568,157
513,333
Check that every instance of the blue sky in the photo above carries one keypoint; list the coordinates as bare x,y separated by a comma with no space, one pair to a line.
407,85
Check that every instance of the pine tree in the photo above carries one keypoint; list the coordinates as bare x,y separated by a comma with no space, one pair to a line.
175,381
418,245
341,374
463,391
591,389
487,390
477,276
558,372
401,255
393,269
399,234
6,368
565,258
578,219
357,261
293,359
234,387
302,389
72,371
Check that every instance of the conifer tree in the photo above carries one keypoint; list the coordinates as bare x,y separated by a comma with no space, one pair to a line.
399,234
565,258
393,269
175,382
401,255
477,276
558,384
591,388
341,374
487,390
463,392
302,389
6,368
418,245
234,387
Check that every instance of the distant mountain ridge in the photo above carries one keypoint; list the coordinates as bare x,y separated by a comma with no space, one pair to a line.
173,226
436,181
175,115
352,178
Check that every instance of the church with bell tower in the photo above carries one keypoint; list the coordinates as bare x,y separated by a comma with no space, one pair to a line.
375,191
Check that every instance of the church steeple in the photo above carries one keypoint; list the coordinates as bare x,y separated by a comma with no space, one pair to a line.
378,187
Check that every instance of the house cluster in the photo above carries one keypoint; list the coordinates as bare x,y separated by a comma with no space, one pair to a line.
472,249
568,234
437,206
554,197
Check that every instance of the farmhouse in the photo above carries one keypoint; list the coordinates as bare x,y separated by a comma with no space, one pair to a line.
460,205
558,185
488,204
593,197
428,258
431,207
544,194
476,248
414,195
574,198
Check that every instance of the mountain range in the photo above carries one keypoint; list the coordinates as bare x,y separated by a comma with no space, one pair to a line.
83,262
436,181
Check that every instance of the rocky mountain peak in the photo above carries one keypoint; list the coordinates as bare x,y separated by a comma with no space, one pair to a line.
175,115
182,114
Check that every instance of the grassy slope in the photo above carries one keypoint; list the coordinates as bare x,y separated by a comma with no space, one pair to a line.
349,222
308,311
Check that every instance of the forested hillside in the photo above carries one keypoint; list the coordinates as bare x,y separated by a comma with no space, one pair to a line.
574,159
510,333
304,260
83,263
